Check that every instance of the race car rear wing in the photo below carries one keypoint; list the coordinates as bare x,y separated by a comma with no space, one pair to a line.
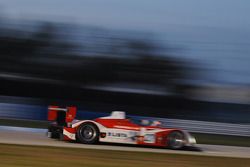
61,115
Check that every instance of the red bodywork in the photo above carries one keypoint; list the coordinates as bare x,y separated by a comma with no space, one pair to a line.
116,130
126,124
69,111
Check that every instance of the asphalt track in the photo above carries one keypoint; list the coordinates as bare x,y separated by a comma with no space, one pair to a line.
37,137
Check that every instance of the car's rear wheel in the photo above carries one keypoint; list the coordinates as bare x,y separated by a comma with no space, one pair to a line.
88,133
176,140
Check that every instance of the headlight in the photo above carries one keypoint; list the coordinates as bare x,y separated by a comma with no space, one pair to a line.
191,140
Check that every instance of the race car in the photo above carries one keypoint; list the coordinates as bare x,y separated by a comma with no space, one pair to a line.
115,128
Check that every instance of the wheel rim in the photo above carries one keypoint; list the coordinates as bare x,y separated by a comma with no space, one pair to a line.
176,140
88,133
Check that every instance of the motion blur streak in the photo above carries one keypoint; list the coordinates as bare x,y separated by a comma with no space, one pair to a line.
184,63
53,60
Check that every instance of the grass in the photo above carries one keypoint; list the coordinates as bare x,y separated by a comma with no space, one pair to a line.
201,138
16,156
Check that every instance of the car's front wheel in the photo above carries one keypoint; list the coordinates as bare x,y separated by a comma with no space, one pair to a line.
176,140
88,133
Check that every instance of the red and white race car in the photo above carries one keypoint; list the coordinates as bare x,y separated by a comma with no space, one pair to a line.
115,128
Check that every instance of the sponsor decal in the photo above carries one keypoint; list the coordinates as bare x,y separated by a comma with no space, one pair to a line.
103,135
149,138
113,134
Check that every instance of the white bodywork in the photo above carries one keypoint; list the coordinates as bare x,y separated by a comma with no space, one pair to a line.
124,134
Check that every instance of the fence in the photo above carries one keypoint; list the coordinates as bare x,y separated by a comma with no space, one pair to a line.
39,112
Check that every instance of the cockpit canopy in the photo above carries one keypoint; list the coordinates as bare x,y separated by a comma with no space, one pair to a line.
116,115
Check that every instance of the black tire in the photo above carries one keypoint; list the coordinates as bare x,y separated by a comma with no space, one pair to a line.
54,132
88,133
61,137
176,140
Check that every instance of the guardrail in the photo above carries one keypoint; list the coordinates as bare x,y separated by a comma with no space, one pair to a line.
39,112
205,127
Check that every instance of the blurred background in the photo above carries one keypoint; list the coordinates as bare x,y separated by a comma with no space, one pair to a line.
184,60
